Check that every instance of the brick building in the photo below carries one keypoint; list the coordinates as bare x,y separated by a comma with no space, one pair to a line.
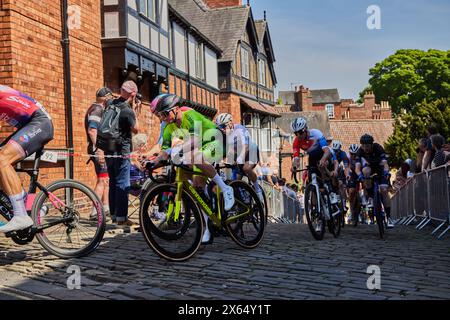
108,41
304,99
246,72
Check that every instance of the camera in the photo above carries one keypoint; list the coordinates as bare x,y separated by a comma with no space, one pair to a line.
139,96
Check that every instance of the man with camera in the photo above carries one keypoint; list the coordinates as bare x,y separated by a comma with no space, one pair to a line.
119,165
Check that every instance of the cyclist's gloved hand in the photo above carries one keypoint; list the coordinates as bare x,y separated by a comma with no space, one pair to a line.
150,165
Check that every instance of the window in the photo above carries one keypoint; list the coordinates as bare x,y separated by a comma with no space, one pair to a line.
148,8
262,72
199,61
330,110
245,63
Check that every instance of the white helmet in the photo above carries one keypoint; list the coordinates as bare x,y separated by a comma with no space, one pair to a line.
299,124
224,119
354,148
336,145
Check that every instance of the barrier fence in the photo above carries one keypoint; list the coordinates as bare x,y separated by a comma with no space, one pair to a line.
426,197
282,208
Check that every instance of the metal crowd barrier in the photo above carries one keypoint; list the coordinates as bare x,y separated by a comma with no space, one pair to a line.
425,197
282,208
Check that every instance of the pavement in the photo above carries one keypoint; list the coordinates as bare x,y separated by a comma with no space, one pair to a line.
288,265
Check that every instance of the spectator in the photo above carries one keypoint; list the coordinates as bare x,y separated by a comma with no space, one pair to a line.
119,168
265,172
91,124
421,150
403,175
274,177
440,155
430,152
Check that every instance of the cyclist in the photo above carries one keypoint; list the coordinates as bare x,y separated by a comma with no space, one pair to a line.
240,148
375,161
343,169
355,167
314,143
34,130
199,144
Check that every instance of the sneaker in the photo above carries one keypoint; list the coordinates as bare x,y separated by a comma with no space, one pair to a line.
17,223
228,197
207,238
127,223
390,223
318,227
160,217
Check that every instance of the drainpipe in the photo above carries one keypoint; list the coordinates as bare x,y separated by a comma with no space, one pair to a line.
67,83
188,65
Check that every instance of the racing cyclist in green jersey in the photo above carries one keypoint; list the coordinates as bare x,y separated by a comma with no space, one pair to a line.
202,141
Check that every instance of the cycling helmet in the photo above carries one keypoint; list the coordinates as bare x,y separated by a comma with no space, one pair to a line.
299,124
164,102
354,148
336,145
155,101
224,119
367,139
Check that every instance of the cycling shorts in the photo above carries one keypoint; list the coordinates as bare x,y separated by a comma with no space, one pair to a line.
34,135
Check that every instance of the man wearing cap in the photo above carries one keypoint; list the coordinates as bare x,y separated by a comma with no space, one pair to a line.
91,125
119,167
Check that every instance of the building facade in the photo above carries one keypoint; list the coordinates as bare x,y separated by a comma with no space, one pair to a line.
246,68
107,42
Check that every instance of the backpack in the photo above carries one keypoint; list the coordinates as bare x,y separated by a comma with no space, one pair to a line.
109,138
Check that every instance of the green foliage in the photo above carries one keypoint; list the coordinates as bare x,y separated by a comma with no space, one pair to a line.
409,77
411,126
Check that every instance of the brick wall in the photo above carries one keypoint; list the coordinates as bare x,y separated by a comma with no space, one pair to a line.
230,103
36,66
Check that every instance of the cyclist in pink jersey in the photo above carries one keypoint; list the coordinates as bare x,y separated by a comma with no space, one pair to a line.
34,130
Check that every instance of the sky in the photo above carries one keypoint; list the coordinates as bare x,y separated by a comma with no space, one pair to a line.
326,44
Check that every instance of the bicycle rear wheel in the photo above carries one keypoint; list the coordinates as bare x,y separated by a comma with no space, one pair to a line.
170,239
247,231
378,215
83,230
314,216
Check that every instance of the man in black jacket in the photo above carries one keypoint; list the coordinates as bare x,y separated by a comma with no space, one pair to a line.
119,166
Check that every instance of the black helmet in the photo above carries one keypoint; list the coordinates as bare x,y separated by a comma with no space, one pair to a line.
165,102
367,139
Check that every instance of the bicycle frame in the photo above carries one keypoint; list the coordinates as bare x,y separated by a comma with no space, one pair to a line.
182,183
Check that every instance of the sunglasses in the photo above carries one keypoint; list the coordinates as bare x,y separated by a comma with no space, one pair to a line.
164,114
300,132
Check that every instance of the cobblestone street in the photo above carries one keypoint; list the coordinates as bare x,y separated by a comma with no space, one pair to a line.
288,265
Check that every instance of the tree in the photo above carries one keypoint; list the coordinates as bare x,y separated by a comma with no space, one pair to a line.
409,77
411,126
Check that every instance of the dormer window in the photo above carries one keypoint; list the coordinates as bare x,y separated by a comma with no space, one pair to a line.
330,110
245,63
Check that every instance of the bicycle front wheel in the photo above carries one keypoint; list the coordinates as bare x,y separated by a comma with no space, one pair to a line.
72,218
248,230
172,238
314,216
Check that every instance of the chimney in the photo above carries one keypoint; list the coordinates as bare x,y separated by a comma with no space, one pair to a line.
304,99
223,3
369,101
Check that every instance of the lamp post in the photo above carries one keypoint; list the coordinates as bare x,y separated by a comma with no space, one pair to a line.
280,153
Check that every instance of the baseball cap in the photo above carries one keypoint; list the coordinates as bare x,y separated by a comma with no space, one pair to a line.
129,86
103,92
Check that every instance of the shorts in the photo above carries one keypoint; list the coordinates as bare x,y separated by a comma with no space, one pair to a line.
383,181
101,170
33,136
353,183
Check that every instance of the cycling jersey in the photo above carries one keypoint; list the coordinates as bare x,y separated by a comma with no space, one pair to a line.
17,108
342,157
193,124
235,143
313,145
374,158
